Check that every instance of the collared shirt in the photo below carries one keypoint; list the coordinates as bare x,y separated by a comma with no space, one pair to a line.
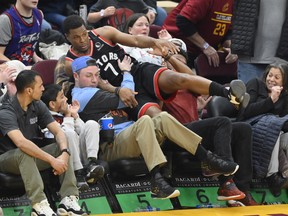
13,117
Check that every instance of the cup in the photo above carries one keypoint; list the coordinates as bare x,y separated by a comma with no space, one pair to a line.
107,123
107,129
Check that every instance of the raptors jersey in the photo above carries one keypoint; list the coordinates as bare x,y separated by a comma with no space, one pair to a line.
24,36
106,56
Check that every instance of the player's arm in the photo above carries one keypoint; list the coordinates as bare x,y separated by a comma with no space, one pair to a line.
117,36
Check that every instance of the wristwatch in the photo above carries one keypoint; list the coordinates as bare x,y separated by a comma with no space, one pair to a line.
205,45
65,150
102,12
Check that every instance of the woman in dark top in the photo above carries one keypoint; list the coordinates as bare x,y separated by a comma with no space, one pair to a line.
267,113
269,95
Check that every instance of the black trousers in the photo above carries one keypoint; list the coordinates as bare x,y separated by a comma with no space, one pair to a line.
232,141
227,140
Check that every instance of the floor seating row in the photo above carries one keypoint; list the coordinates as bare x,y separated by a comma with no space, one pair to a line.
126,188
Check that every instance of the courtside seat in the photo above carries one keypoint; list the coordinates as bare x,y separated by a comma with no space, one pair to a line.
220,106
128,168
46,69
12,186
129,184
154,29
222,74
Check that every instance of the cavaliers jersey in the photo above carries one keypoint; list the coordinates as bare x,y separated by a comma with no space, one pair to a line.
106,56
24,36
212,18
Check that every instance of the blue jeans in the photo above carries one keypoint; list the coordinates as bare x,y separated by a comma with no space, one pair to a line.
45,25
161,15
247,71
56,19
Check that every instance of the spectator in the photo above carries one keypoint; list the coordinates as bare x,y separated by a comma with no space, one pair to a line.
116,12
267,113
138,24
150,85
259,36
8,73
205,26
20,121
83,138
55,11
160,13
20,28
129,141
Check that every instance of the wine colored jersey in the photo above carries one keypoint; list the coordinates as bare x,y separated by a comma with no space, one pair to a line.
212,19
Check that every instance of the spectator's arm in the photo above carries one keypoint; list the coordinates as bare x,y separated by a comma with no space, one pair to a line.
2,56
28,146
94,17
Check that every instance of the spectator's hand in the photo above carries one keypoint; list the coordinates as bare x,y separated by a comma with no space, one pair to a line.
275,93
212,56
151,15
202,101
109,11
7,75
164,34
126,64
11,88
60,164
230,58
127,96
64,108
74,108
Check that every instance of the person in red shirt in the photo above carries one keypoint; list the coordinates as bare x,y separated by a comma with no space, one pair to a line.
204,26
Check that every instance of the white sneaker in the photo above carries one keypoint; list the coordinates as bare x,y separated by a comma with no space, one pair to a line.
1,212
69,206
42,209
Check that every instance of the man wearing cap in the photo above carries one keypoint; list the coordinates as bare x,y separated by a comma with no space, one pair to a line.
142,137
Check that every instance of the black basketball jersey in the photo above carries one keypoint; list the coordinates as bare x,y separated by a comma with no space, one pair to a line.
106,56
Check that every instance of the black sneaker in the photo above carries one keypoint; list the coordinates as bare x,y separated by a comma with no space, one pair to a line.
276,183
238,95
160,189
94,172
219,166
81,180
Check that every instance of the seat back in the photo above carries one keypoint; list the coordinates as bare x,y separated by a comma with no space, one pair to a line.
220,106
222,74
46,69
